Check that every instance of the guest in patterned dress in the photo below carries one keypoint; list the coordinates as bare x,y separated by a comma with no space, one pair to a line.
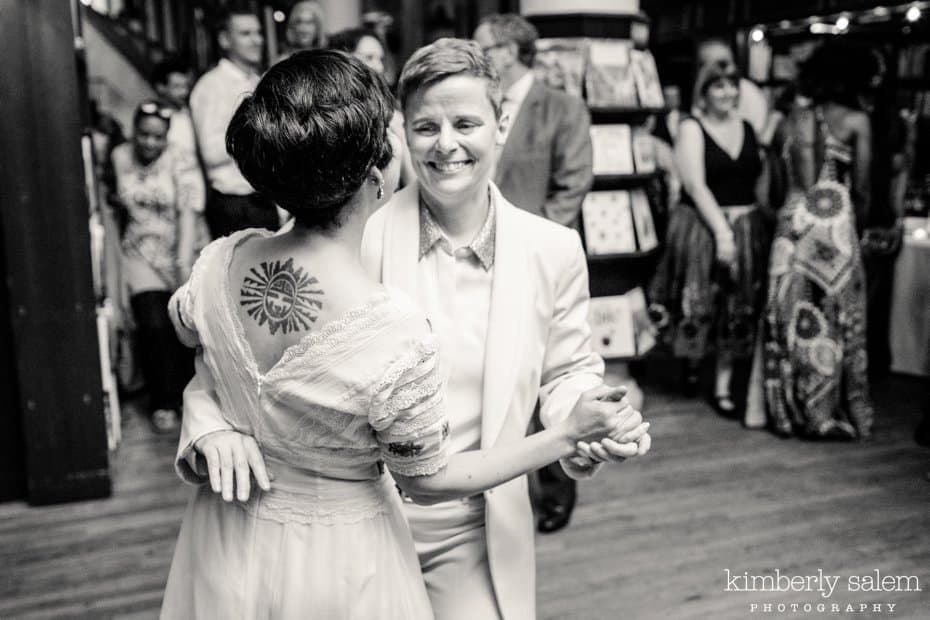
708,291
331,373
815,359
160,191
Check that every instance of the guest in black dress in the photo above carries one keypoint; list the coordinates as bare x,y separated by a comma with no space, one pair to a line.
708,291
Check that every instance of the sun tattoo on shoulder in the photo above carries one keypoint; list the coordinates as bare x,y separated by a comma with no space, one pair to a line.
282,296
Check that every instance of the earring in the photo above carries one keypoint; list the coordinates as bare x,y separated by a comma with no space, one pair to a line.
381,190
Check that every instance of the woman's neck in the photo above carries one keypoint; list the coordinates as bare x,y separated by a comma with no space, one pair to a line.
720,117
345,238
460,219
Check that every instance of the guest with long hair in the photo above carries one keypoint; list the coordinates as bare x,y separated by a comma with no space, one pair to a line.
815,359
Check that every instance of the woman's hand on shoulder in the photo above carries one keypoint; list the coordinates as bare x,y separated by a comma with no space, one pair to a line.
232,458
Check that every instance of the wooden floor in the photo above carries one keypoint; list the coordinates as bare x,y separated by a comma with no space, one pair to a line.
650,539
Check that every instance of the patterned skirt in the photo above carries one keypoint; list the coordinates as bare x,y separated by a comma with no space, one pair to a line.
698,305
814,329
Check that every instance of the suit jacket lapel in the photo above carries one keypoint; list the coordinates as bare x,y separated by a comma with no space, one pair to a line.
518,136
511,302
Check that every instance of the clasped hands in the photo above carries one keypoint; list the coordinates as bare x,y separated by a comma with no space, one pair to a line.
609,429
604,425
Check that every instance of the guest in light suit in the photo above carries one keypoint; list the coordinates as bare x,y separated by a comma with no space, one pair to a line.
545,166
546,169
507,295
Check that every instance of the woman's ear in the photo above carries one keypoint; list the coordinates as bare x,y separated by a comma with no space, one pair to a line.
503,128
377,177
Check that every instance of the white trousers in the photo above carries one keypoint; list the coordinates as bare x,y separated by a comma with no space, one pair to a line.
451,541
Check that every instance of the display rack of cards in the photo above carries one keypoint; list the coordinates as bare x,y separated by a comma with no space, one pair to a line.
604,59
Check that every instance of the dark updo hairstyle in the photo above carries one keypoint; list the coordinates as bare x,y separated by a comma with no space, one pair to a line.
347,40
839,71
310,132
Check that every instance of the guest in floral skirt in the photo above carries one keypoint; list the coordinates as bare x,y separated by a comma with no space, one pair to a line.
708,291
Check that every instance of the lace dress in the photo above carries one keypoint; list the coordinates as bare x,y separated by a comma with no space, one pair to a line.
815,379
329,540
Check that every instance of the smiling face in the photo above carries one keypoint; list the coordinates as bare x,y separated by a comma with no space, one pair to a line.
150,138
242,39
302,26
453,135
722,96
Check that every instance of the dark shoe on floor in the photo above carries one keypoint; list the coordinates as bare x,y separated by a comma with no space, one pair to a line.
554,516
725,406
165,421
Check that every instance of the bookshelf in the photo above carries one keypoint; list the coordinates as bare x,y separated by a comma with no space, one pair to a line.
604,59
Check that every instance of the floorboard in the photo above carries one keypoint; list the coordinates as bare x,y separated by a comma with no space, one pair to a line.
651,538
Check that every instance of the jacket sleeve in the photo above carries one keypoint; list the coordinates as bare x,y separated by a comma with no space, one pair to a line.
572,161
570,366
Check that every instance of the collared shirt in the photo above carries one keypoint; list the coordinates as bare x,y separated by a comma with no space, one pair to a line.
454,287
482,246
514,97
213,102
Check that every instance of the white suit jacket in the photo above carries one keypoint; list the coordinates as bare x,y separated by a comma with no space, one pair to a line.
538,346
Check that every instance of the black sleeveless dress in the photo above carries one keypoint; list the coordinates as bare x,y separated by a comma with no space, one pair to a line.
698,305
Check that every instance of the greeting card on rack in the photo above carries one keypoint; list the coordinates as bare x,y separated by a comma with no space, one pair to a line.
612,326
644,152
642,217
608,223
647,79
613,149
559,64
609,80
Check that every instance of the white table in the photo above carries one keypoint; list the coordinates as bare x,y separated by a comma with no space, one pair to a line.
910,304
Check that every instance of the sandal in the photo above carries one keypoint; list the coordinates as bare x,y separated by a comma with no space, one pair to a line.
165,421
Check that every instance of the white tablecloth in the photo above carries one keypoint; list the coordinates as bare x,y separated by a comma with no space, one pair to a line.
910,305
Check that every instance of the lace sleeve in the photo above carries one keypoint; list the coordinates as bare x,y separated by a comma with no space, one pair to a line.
408,413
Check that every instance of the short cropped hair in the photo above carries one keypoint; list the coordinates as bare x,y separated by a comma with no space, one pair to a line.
224,17
310,132
347,40
511,28
445,58
163,70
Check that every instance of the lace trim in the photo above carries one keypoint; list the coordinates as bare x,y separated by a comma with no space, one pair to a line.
423,467
420,352
288,509
421,424
339,331
409,395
